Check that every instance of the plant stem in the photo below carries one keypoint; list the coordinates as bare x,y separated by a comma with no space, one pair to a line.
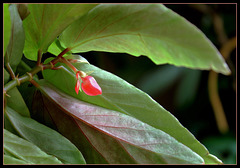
8,66
65,61
60,56
24,78
39,57
39,67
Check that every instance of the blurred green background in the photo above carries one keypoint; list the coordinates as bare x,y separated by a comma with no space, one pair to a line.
182,91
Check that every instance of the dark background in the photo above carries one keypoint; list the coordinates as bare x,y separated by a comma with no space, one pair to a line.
182,91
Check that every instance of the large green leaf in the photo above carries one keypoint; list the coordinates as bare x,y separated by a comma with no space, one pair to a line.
6,26
45,138
25,152
46,22
123,97
16,42
125,139
151,30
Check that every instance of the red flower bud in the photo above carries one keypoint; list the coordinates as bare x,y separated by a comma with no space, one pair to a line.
90,86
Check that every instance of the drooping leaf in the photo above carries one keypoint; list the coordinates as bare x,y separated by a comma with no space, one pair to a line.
46,22
45,138
6,26
118,95
125,134
17,39
151,30
26,151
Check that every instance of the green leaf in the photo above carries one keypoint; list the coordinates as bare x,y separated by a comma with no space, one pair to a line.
16,42
151,30
46,22
123,97
6,76
45,138
6,26
26,151
16,102
55,48
12,160
125,139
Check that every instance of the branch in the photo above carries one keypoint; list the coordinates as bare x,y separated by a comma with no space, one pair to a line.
39,67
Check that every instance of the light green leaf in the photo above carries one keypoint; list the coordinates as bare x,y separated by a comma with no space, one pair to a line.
45,138
16,42
151,30
6,26
55,48
12,160
46,22
26,151
123,97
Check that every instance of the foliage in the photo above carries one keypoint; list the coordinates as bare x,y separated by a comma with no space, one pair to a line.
118,123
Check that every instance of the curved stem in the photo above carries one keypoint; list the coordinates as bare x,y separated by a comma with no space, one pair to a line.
65,61
213,89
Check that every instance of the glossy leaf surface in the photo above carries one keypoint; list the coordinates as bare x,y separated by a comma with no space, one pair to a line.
124,133
46,22
118,95
45,138
151,30
26,151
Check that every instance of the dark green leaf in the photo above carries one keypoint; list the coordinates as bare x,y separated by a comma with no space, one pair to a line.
46,22
45,138
6,76
123,97
26,151
6,26
16,42
16,102
151,30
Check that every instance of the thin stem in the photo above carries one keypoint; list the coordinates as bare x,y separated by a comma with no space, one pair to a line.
8,66
39,57
65,61
221,120
39,67
60,56
24,78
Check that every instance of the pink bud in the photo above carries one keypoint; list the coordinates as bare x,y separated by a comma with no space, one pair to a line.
90,86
